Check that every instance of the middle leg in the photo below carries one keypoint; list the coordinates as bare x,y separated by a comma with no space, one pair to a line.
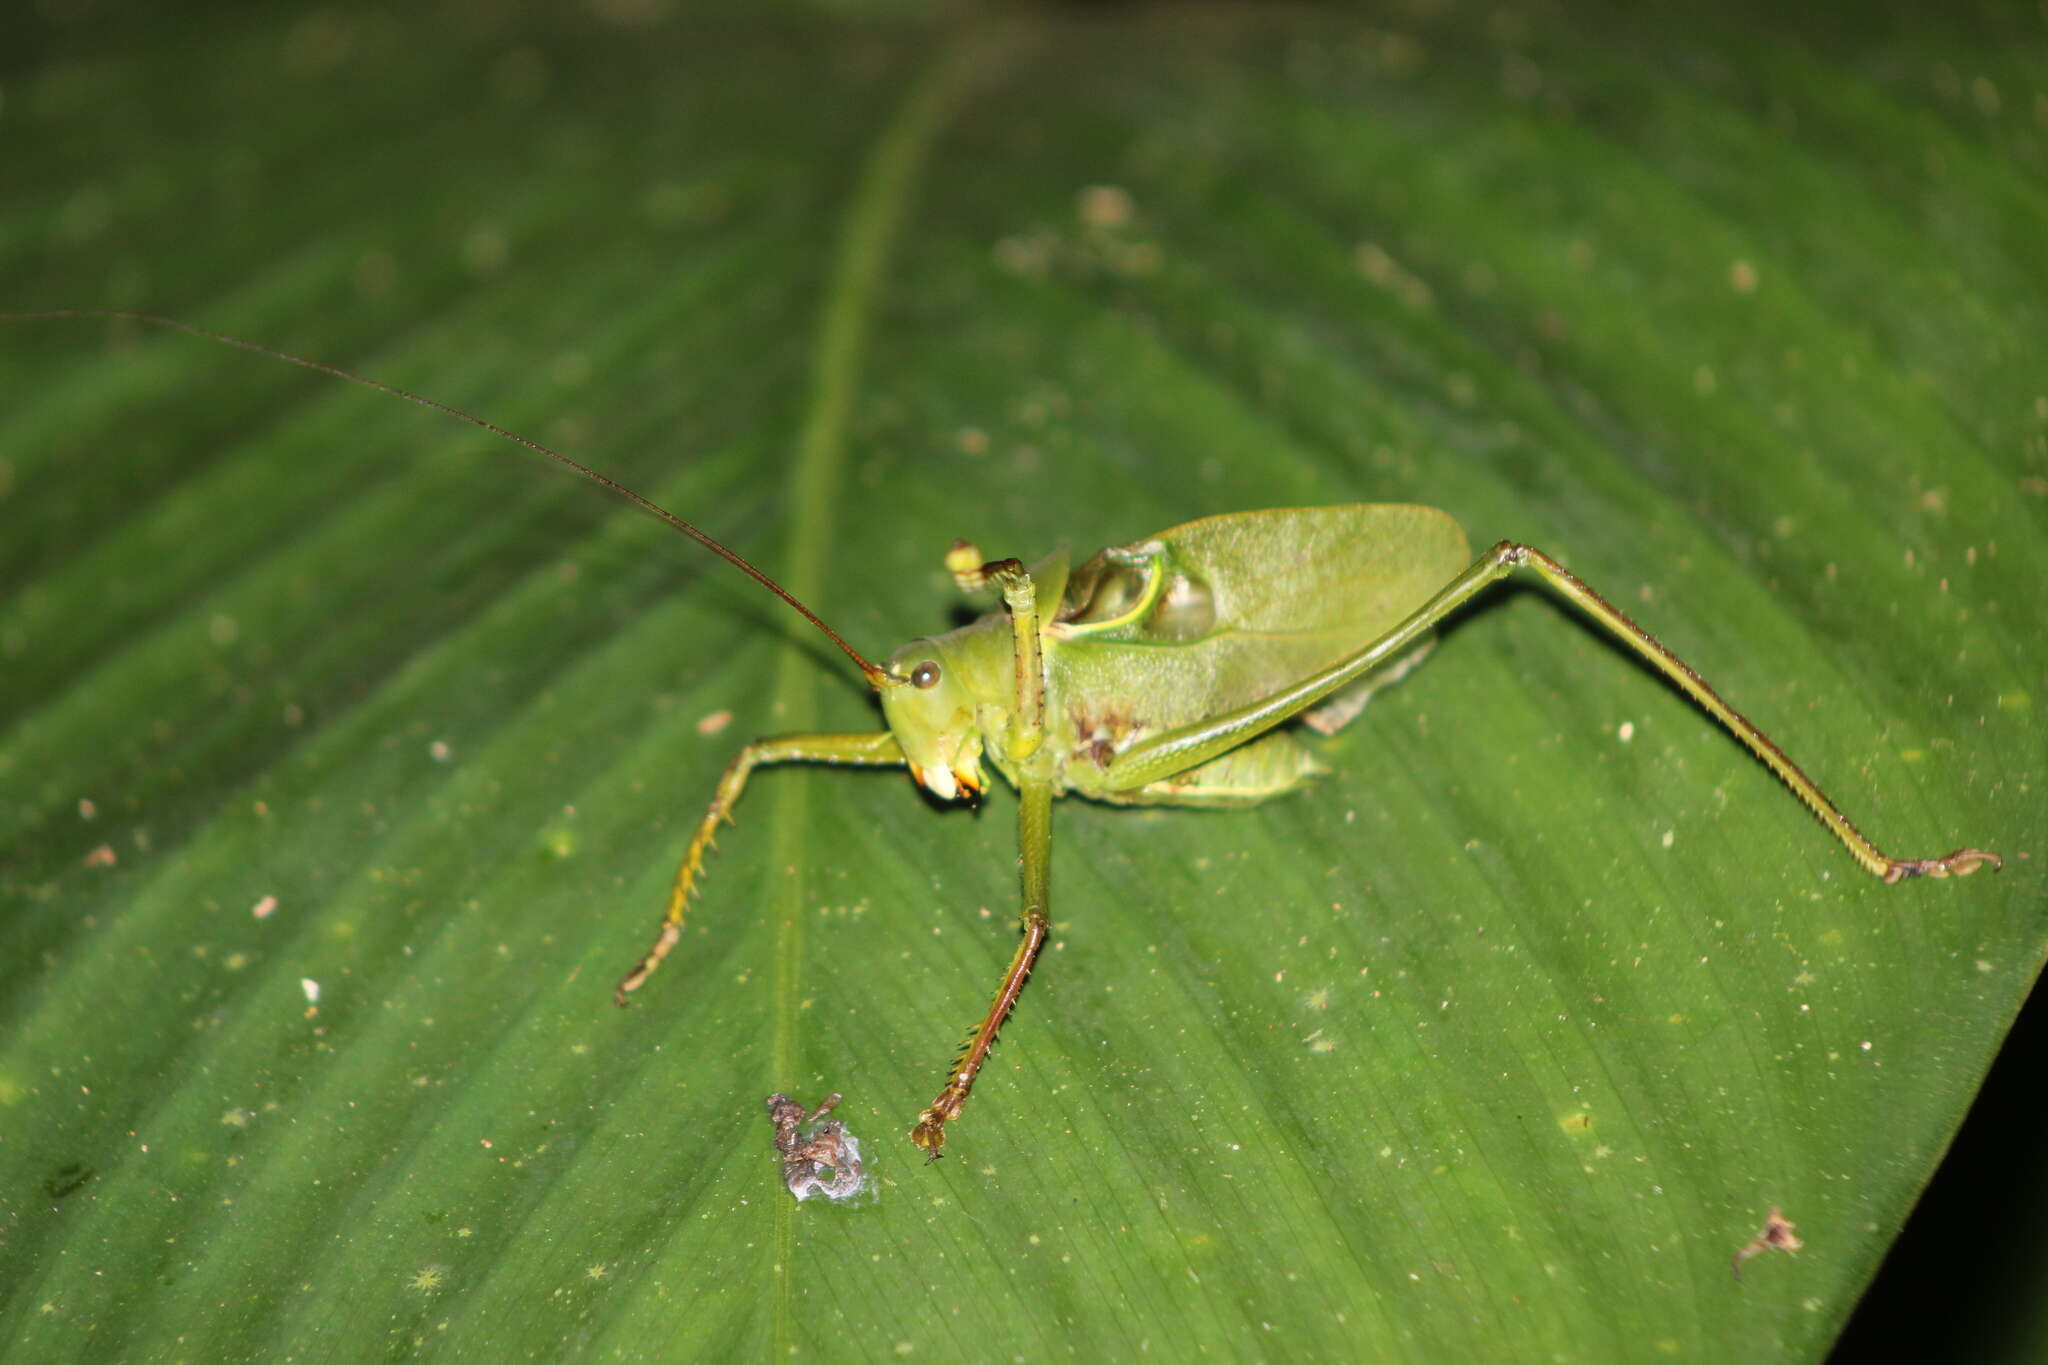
1034,847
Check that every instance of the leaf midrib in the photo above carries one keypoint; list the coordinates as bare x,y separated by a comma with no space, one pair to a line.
873,220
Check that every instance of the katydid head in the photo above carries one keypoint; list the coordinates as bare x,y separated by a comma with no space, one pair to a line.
935,714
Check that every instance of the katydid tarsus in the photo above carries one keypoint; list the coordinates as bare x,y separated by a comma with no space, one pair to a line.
1158,672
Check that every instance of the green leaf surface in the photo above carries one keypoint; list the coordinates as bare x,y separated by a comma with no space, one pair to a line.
1498,1044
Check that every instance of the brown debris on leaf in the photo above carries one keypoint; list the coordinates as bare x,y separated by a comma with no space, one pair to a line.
825,1160
1775,1235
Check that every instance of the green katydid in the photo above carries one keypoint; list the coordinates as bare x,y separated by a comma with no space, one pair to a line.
1157,672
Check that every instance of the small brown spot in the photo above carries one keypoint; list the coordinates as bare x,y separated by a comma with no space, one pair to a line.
1100,737
1775,1235
1105,207
103,856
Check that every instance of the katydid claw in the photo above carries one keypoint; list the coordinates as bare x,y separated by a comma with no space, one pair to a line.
1960,863
929,1135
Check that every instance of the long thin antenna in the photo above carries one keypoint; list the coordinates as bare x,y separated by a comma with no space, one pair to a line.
877,677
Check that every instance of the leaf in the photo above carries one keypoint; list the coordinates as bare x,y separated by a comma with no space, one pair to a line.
1499,1044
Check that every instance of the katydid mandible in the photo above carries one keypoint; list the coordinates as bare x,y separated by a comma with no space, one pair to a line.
1160,672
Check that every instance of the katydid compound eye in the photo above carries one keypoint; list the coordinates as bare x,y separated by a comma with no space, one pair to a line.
925,674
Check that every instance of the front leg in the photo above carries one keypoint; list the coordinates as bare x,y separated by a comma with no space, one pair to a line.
1034,851
873,750
1025,747
1020,597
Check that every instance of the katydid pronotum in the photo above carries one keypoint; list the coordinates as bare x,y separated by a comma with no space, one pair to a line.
1158,672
